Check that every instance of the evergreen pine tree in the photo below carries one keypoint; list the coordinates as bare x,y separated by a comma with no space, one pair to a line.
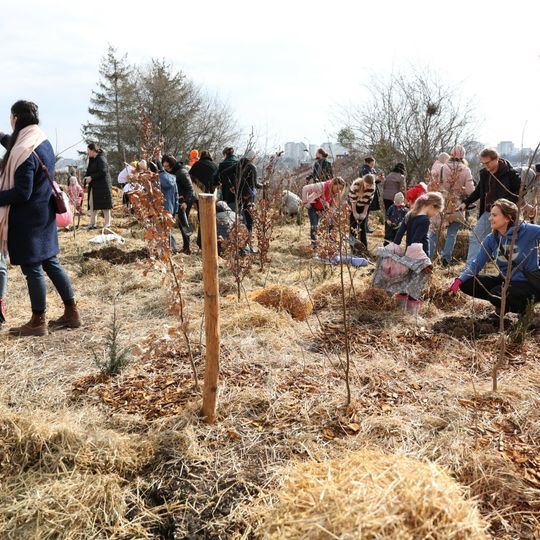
113,106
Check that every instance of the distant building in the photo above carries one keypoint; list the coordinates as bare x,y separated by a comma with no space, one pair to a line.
296,152
506,148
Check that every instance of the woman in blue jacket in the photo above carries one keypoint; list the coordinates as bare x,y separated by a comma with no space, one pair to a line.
497,246
28,220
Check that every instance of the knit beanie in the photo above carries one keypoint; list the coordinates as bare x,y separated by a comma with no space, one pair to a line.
250,154
399,198
443,157
458,151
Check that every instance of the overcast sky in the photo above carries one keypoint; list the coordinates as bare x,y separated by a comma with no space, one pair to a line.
284,67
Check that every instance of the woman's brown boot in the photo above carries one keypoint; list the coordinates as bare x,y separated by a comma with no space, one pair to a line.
36,326
70,318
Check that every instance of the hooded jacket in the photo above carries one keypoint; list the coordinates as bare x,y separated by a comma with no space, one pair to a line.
496,247
226,181
203,174
505,175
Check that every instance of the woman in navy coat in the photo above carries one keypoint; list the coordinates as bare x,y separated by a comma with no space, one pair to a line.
28,231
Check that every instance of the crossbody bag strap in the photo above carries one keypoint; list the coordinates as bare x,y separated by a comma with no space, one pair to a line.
47,173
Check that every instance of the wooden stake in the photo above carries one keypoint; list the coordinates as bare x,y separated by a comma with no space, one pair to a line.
207,209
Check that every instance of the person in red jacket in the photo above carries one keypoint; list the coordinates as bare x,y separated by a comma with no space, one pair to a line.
415,192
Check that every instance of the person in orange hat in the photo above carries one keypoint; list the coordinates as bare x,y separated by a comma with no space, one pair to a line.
193,157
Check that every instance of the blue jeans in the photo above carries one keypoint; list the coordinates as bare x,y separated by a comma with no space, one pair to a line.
313,222
37,287
3,277
449,244
478,234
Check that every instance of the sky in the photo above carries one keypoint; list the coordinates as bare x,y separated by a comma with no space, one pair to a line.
285,68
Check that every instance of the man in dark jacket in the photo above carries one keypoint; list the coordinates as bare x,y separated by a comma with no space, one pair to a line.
227,181
186,196
203,173
242,181
498,180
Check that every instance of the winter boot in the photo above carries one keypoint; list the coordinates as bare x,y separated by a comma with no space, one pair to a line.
70,318
36,326
413,306
401,300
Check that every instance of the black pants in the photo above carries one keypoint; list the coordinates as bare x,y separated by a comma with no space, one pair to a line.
358,229
489,288
185,235
387,204
389,234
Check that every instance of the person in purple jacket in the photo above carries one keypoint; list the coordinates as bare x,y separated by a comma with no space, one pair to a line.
504,223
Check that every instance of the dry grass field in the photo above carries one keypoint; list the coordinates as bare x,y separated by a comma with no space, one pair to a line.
87,456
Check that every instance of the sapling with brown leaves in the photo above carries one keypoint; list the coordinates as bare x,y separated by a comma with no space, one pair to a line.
148,204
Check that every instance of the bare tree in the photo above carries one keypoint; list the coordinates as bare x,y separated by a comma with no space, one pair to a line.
410,117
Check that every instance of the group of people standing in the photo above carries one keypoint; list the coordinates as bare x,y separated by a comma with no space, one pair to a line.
234,179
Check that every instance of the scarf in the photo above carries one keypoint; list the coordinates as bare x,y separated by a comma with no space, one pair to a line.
28,140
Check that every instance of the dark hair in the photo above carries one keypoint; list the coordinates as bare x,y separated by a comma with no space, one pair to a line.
399,168
228,151
26,113
369,159
94,147
167,158
205,154
152,166
323,152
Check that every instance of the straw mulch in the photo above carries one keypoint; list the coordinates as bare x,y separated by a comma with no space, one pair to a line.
52,444
291,299
59,479
372,495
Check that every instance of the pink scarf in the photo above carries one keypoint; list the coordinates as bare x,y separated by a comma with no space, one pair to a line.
28,140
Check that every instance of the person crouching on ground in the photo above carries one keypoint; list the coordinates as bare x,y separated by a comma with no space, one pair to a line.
394,217
361,194
496,246
28,218
321,197
416,228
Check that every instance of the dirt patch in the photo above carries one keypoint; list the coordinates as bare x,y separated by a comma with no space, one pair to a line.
469,327
115,255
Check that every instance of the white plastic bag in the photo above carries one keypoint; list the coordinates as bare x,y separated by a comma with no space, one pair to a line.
106,237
